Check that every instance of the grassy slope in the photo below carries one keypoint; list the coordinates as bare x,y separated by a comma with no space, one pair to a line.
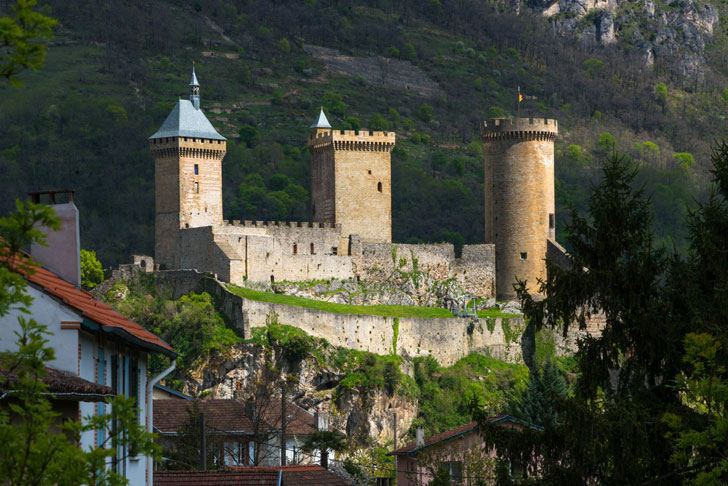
374,310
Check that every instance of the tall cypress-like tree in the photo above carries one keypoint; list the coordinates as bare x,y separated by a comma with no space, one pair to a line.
610,431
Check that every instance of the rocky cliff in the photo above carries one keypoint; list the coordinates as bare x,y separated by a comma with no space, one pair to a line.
320,379
675,31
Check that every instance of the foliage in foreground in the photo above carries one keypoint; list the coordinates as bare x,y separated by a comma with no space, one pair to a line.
649,402
190,324
37,448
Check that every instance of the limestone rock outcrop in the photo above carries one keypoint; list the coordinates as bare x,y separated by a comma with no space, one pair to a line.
367,415
675,31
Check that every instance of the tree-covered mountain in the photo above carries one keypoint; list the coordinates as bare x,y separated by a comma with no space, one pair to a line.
429,70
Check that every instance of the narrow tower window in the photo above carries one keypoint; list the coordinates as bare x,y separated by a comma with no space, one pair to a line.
197,187
551,220
312,249
197,169
295,249
524,255
379,186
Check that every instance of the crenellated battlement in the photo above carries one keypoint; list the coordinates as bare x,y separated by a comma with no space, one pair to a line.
296,225
202,148
526,129
362,140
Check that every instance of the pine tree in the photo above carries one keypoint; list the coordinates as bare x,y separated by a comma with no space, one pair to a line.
537,403
610,431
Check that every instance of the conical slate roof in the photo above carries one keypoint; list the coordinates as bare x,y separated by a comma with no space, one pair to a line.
186,121
321,122
193,81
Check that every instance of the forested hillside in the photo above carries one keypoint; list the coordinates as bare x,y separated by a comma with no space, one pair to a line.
429,70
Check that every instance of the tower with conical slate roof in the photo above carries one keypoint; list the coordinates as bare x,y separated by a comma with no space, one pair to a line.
351,180
188,155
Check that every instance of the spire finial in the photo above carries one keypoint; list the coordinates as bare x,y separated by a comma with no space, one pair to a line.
194,89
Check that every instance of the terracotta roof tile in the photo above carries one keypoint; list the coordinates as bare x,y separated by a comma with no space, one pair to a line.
170,415
66,386
230,415
93,309
463,429
303,475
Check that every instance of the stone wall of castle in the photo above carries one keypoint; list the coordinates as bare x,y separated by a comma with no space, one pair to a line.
474,270
275,252
446,339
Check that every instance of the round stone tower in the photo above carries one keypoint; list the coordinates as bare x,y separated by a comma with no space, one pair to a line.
519,198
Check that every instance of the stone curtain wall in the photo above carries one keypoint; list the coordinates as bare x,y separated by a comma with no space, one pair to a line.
446,339
474,271
260,251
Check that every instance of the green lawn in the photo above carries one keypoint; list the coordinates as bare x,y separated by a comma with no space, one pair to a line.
374,310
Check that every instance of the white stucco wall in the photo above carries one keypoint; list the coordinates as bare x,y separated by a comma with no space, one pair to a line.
46,311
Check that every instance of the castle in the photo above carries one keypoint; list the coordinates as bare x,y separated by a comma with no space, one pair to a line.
351,188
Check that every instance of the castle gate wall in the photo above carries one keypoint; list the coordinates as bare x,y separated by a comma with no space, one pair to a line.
196,249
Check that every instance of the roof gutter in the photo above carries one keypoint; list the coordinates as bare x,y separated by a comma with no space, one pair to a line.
128,337
416,451
150,415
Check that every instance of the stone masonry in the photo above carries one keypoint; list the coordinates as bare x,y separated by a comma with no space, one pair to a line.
351,181
519,198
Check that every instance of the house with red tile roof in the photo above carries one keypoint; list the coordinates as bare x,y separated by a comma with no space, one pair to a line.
460,451
98,351
299,475
240,432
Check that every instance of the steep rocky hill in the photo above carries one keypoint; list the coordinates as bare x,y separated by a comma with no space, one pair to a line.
647,78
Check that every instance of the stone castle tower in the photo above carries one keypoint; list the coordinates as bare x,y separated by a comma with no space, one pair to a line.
188,155
519,198
351,180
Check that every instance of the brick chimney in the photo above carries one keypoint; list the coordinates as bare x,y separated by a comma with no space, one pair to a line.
420,437
321,419
63,253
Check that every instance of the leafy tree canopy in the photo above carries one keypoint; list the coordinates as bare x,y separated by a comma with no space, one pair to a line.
22,40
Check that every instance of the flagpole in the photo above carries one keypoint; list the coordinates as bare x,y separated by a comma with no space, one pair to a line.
519,102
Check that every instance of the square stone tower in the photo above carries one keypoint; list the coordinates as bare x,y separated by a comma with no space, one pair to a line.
351,180
188,155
